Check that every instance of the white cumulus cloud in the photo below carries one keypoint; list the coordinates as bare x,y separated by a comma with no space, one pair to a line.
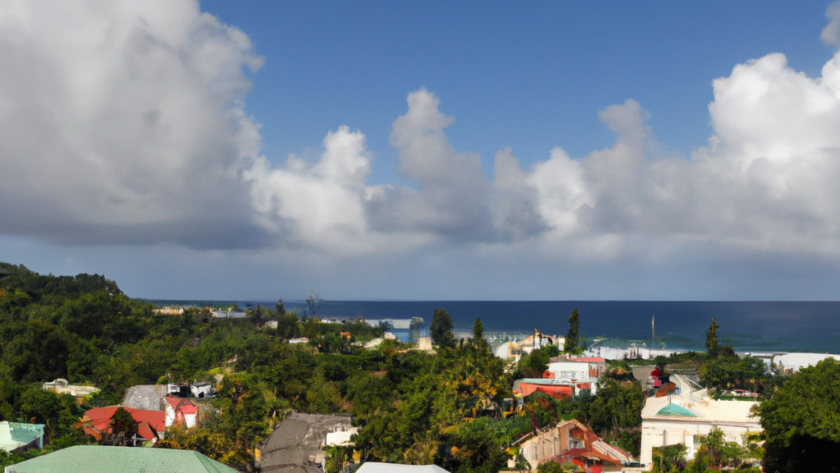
122,122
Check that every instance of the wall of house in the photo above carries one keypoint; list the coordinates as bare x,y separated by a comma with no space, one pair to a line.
542,446
661,432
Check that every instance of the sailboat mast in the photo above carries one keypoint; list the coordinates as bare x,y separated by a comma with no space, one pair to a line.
653,329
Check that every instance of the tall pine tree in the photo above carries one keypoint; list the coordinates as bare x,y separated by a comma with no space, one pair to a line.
711,339
573,337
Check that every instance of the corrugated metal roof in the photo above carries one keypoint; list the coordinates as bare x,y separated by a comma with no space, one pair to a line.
85,458
297,438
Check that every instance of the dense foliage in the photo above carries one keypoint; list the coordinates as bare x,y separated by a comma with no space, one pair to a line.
441,329
713,454
411,406
802,422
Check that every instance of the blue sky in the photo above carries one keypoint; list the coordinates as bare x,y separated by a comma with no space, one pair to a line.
476,150
526,76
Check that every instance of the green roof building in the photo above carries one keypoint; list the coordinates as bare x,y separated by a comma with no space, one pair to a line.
86,458
675,410
14,435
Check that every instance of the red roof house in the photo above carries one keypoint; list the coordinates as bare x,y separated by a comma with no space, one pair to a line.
571,441
150,424
180,411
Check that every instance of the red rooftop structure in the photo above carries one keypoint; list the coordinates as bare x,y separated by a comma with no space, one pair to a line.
150,424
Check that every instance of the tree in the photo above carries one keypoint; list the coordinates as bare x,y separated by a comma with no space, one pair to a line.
441,329
288,326
616,407
534,364
323,397
123,426
669,458
475,447
731,371
279,307
478,330
257,315
58,413
555,467
215,445
802,423
712,340
573,337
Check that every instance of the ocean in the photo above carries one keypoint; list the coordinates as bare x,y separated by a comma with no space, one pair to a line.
747,326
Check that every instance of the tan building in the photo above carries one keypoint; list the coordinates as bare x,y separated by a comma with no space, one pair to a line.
573,442
684,418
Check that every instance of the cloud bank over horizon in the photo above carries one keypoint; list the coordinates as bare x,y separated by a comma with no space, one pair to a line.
125,124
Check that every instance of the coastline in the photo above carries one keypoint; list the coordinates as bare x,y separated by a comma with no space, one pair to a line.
807,327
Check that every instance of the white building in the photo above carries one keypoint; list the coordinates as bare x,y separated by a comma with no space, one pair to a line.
674,419
376,467
793,362
61,386
180,411
202,389
341,436
578,371
630,353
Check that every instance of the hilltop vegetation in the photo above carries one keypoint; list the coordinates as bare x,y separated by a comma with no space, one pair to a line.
443,407
412,406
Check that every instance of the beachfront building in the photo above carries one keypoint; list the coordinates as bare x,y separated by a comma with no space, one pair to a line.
629,353
169,311
790,363
539,340
571,442
683,418
229,314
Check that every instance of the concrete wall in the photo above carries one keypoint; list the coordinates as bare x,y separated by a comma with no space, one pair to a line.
661,432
